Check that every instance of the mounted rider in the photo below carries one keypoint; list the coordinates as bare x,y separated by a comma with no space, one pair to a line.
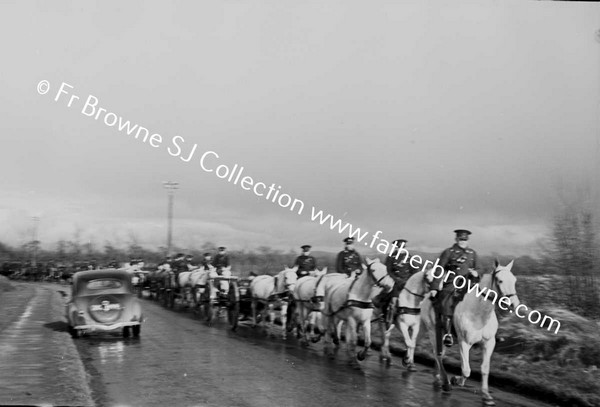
348,260
207,262
399,268
305,262
189,261
221,259
458,260
178,265
165,265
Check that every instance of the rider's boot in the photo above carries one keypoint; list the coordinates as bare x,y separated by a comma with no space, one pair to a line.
447,339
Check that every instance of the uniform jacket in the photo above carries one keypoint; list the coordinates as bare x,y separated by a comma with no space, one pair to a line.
457,260
399,269
221,261
305,264
348,261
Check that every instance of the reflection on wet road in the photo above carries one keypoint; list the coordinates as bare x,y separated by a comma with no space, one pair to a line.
179,361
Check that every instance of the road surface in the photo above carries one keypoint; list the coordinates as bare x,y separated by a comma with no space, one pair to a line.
179,361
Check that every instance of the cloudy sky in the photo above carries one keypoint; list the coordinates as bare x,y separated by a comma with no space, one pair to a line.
413,118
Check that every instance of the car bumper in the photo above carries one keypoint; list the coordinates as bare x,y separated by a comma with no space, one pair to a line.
94,327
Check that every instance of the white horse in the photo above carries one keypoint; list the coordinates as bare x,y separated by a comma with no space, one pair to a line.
223,285
349,300
475,322
273,292
193,285
407,317
307,307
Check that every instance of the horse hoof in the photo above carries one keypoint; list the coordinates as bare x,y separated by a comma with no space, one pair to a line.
405,361
411,367
447,387
304,344
458,381
361,355
315,340
489,402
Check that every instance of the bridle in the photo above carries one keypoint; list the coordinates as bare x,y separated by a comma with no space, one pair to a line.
287,285
372,275
498,286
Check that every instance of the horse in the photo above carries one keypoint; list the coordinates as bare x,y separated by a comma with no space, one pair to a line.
474,322
273,291
192,283
349,300
406,317
223,285
307,308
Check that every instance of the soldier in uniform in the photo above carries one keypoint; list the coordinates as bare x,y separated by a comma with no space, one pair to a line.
221,259
348,260
207,262
189,262
461,260
178,265
399,268
305,262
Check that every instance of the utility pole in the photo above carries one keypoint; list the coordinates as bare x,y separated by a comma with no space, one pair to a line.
34,241
170,186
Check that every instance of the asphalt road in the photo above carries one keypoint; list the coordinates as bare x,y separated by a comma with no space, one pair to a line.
179,361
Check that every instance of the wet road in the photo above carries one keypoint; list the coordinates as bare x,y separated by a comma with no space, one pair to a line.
38,361
179,361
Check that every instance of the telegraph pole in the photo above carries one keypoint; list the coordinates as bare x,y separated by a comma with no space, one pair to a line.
170,186
35,220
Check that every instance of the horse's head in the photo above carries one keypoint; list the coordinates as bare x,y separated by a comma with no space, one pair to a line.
289,278
506,282
428,277
378,271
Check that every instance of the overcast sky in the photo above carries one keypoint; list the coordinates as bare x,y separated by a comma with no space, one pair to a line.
413,118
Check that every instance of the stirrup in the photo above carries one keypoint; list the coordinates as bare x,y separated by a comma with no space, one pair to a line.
448,340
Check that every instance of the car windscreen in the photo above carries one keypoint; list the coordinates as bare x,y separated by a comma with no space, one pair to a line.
103,285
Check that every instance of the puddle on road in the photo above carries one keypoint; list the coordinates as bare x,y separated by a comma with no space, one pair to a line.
111,352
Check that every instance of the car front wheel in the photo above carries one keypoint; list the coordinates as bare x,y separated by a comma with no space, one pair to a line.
136,330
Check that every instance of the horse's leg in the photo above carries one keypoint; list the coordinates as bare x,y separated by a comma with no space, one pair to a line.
301,312
410,352
465,368
440,376
271,329
317,323
307,324
384,355
408,341
328,337
253,313
284,309
367,337
487,350
338,333
351,341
